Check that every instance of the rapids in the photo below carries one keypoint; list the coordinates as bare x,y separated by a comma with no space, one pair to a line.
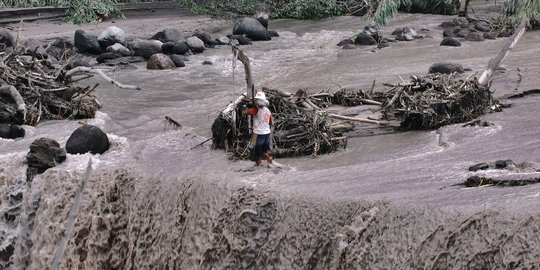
386,202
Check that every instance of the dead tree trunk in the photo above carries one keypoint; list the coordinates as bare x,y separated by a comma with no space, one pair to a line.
465,10
495,62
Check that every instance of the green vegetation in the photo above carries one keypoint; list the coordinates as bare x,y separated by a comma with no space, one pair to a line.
514,11
381,10
90,11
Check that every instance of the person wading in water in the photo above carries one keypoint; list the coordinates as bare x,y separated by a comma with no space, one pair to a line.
262,124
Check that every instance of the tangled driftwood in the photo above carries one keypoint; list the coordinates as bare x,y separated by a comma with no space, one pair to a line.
435,100
33,88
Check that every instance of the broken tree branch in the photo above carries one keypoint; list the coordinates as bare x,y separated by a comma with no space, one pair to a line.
102,74
12,91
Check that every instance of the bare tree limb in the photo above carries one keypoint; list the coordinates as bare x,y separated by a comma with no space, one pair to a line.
102,74
363,120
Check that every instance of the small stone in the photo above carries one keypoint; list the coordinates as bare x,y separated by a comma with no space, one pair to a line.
206,62
503,164
450,42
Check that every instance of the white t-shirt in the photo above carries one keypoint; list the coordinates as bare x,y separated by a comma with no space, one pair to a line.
261,121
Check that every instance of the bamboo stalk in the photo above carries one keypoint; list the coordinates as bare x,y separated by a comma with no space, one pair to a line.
495,62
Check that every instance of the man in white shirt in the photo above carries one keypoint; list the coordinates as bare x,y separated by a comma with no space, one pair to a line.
262,121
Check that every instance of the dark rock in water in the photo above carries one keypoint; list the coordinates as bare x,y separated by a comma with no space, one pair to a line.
479,166
364,39
169,34
446,68
180,48
6,37
448,33
345,42
476,181
7,252
463,32
160,61
44,153
489,36
482,26
145,48
87,139
242,40
178,60
208,41
252,28
121,66
167,47
273,33
110,36
206,62
475,36
407,34
195,44
397,31
123,61
8,131
460,21
503,164
349,46
450,42
86,43
107,56
60,47
262,17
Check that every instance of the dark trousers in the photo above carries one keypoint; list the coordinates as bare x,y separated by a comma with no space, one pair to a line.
262,145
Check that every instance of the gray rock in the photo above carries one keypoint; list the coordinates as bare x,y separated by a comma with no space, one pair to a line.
167,47
448,25
119,49
110,36
60,47
405,37
503,164
87,139
446,68
160,61
208,41
397,31
169,34
178,60
383,45
251,28
364,39
6,37
86,43
107,56
44,153
223,40
489,36
448,33
345,42
262,17
206,62
463,32
196,44
479,166
78,62
475,36
8,131
460,21
450,42
145,48
180,48
273,33
482,26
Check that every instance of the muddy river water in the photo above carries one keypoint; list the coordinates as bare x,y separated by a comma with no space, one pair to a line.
385,202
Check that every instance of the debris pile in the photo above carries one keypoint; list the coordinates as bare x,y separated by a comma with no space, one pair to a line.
301,128
435,100
34,88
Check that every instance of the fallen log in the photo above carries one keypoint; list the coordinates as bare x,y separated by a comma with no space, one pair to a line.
86,70
357,119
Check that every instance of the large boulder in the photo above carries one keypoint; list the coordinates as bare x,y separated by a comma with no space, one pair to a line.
86,43
110,36
262,17
482,26
364,39
448,33
160,61
448,41
6,37
196,44
44,153
180,48
446,68
251,28
167,47
208,41
178,60
169,34
145,48
8,131
119,49
87,139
